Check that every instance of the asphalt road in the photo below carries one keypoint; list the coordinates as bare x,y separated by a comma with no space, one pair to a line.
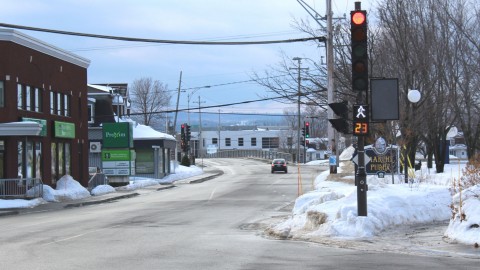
216,224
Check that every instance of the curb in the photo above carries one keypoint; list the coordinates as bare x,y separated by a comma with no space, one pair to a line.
201,180
101,201
8,212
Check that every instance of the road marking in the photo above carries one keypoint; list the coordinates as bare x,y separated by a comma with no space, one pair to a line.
211,195
79,235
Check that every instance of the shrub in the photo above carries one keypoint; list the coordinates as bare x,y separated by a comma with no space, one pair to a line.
470,178
185,161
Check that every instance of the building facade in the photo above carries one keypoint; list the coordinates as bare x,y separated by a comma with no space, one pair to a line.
43,110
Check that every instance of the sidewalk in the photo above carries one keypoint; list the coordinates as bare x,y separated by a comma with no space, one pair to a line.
109,197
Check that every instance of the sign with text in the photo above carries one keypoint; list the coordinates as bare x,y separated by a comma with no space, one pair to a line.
117,135
64,130
118,161
377,163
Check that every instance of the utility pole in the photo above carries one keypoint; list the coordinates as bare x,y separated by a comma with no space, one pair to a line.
178,100
299,93
331,97
199,127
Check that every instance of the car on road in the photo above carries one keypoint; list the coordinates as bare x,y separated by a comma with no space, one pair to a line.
279,165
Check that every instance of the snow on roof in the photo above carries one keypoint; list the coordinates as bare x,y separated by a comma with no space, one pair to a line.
101,87
145,132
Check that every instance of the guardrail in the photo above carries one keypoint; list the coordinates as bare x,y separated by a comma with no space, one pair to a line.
21,188
250,153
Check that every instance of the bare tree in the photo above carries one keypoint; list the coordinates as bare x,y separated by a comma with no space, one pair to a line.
465,17
149,99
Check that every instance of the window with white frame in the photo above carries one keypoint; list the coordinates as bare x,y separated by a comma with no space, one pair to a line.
91,113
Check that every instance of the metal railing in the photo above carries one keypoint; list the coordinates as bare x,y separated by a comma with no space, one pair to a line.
263,154
21,188
96,180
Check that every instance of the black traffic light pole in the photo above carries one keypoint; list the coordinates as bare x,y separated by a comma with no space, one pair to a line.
360,84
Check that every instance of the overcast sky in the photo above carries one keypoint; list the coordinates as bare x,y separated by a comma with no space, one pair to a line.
213,20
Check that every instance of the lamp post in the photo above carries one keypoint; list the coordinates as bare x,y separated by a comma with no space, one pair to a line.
413,96
189,95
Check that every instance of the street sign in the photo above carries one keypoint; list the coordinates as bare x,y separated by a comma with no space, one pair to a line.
378,164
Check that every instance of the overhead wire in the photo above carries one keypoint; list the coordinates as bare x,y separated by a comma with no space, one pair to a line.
165,41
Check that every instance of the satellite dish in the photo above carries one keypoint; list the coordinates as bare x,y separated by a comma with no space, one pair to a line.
452,132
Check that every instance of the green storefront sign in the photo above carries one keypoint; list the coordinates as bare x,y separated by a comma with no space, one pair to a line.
64,130
117,135
116,155
118,162
42,122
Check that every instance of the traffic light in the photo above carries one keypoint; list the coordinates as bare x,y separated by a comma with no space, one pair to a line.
182,132
307,130
359,50
183,144
303,132
341,110
188,134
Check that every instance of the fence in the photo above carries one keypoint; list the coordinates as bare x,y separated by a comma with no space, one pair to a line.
264,154
96,180
21,188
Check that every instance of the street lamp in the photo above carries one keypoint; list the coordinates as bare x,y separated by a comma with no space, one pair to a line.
413,96
189,95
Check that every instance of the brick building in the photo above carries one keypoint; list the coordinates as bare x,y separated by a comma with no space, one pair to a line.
43,110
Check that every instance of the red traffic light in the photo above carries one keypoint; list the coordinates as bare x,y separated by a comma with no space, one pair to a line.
358,17
307,124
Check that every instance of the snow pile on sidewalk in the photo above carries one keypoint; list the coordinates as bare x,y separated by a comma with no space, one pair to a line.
67,189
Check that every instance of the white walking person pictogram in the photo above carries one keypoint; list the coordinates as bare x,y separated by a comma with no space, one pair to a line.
361,113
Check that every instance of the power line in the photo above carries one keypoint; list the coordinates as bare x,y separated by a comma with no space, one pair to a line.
182,42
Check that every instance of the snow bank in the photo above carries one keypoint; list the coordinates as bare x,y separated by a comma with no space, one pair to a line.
464,226
67,189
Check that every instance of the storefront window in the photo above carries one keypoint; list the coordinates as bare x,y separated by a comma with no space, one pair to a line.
54,162
67,159
29,161
38,160
61,160
20,159
144,163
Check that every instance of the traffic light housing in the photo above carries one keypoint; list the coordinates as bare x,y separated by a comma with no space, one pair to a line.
183,136
359,50
307,130
340,124
303,132
188,134
182,132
